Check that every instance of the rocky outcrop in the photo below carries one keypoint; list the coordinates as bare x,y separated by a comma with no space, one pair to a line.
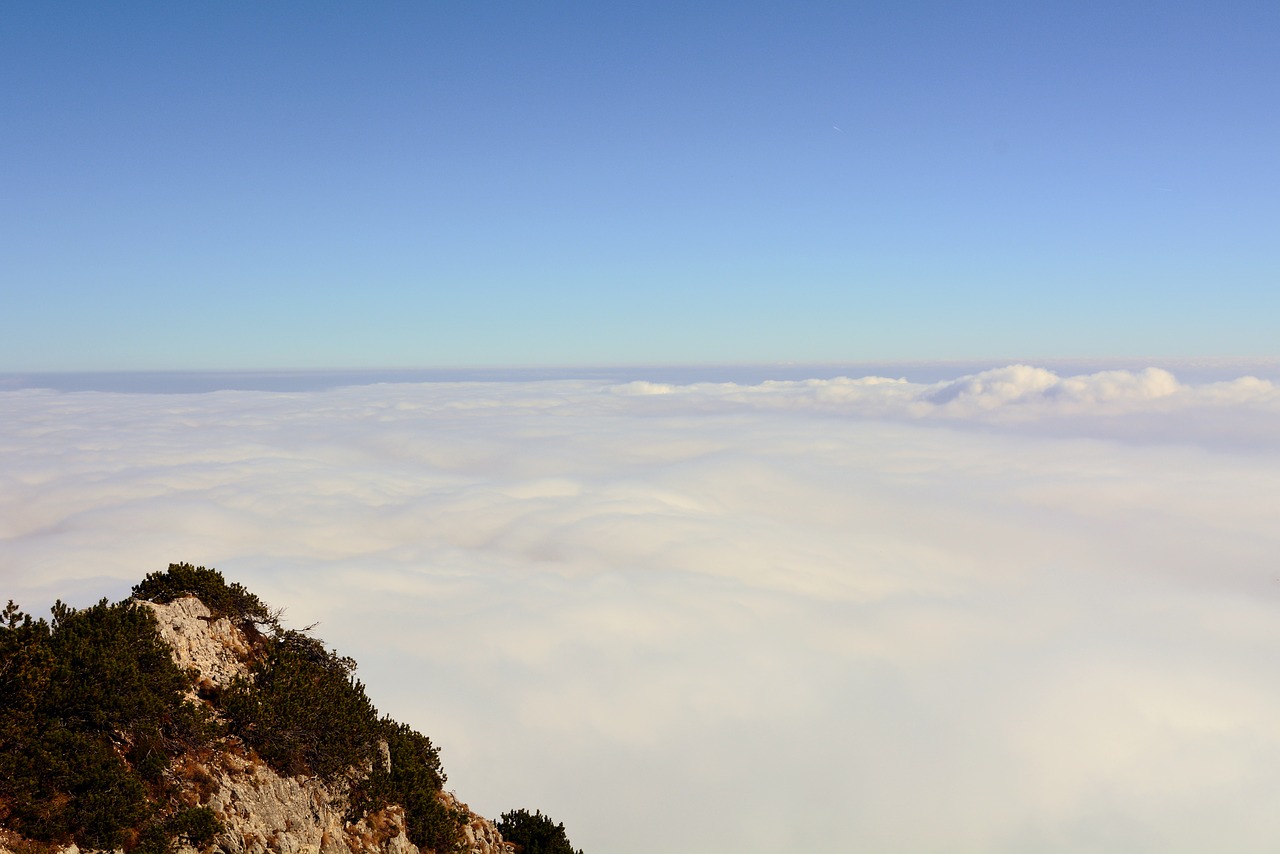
262,811
479,833
265,812
216,648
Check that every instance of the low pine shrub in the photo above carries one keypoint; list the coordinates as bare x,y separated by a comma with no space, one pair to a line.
222,599
534,833
91,712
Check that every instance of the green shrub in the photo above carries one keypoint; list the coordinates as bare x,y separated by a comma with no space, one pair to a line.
414,781
222,599
303,711
113,673
534,834
75,694
195,826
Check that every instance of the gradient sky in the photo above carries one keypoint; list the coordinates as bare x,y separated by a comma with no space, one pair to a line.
236,185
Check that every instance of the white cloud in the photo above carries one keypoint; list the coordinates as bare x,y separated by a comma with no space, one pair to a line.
1002,395
1011,611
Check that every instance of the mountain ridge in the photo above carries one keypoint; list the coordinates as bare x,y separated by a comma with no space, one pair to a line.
187,720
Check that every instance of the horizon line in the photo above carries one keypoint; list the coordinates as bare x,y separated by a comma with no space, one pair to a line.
206,380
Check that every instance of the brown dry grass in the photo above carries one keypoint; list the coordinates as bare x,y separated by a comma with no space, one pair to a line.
16,844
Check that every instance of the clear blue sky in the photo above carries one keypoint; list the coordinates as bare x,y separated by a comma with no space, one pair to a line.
248,185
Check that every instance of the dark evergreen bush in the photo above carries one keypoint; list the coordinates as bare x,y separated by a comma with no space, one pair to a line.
303,711
414,781
223,599
534,834
76,695
195,825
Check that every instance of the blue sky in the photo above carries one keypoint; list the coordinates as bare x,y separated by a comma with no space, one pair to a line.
233,185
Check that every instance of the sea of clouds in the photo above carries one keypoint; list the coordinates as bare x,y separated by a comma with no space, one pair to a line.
1013,611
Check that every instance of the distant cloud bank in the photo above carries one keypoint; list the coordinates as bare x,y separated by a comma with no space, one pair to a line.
1023,386
1017,610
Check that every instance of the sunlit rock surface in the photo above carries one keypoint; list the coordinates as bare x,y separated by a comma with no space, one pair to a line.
261,811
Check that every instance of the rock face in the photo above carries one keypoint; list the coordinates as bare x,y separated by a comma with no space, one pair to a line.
479,833
217,649
261,810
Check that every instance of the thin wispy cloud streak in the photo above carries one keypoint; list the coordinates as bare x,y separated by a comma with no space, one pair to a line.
1019,610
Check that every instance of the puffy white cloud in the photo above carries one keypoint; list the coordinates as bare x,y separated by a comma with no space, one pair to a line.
1002,395
1009,611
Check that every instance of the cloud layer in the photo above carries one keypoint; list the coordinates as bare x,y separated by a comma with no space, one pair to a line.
1010,611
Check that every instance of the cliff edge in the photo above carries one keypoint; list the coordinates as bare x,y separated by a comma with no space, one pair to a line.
186,719
261,810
